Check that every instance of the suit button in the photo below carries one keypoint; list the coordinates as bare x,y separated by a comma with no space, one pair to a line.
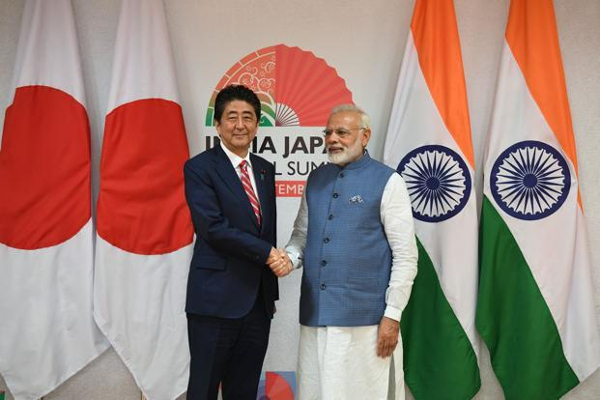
330,217
326,240
335,195
341,174
323,287
323,263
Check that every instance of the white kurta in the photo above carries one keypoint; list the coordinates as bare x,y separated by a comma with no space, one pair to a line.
341,362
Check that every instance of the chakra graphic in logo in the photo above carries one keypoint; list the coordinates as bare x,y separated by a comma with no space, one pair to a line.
295,87
280,385
438,181
530,180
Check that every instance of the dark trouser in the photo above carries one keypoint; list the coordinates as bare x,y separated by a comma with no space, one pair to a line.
227,351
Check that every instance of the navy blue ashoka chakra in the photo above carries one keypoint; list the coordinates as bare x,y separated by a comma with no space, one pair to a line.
438,182
530,180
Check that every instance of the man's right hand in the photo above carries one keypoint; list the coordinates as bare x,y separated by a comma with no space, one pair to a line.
279,262
387,337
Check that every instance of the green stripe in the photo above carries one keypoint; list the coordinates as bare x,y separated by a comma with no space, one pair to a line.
439,361
210,116
514,320
1,395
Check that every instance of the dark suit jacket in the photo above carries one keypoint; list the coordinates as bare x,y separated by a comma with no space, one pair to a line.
228,265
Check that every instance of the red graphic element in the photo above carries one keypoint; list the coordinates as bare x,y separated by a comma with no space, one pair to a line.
256,71
295,87
289,188
307,85
141,207
44,169
277,388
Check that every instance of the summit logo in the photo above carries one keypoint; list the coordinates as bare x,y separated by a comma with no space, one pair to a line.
297,91
296,88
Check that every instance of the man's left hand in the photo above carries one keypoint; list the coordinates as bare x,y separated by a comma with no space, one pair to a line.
387,337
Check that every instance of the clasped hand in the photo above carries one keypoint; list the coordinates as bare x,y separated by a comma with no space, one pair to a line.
279,262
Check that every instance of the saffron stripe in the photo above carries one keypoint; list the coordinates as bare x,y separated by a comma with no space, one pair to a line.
434,23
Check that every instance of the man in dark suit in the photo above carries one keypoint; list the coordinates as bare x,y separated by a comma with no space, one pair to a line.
232,284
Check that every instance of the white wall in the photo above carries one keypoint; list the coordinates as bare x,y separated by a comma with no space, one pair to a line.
364,41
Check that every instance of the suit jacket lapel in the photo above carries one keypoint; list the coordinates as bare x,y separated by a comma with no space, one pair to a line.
229,175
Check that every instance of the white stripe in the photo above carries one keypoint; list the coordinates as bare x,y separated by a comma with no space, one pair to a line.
248,187
250,192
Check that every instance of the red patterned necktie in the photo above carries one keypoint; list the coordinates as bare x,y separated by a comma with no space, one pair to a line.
247,184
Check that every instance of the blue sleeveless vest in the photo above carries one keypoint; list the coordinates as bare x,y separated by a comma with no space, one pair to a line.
347,259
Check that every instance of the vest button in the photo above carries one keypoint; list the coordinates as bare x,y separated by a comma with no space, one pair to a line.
323,263
323,286
326,240
330,217
335,195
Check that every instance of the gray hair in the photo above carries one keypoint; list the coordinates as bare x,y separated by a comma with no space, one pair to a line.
364,117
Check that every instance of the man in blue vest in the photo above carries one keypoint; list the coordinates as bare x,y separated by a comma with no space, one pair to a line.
354,238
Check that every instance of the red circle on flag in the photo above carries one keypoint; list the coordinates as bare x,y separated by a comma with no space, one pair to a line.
141,206
44,169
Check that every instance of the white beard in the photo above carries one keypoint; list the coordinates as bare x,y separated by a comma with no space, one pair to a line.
347,155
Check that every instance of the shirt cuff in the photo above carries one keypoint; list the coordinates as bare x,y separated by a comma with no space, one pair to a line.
393,313
294,258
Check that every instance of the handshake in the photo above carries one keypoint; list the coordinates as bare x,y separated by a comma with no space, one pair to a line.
279,262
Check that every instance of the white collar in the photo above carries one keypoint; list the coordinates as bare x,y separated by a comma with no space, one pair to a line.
235,159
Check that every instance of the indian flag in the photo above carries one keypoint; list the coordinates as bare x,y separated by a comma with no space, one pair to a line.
535,307
429,143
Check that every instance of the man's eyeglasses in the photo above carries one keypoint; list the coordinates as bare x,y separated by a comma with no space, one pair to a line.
340,132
